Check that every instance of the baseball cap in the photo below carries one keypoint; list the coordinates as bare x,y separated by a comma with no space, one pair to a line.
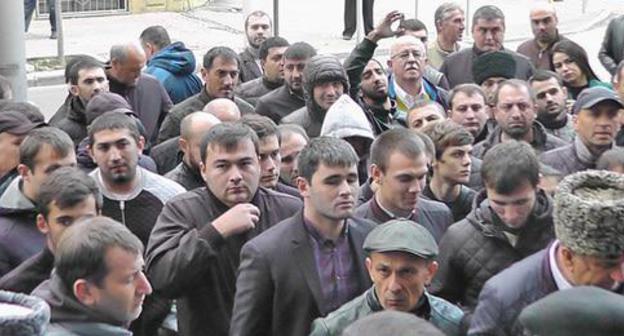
15,123
402,235
589,97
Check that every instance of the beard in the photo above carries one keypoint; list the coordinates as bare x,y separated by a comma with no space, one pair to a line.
376,96
517,132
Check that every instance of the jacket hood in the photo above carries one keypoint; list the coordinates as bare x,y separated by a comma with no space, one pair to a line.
13,201
175,58
483,218
65,307
345,118
322,69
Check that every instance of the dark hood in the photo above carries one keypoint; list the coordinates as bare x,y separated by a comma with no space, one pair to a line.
321,69
65,307
175,58
484,219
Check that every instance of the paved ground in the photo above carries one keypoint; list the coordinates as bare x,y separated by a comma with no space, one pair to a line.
318,22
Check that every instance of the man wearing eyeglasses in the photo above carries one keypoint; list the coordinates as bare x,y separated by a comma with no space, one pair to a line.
515,111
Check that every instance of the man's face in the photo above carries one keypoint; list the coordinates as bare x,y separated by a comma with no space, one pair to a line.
551,98
421,116
593,271
124,288
293,73
454,164
270,161
470,112
116,153
374,84
129,71
515,112
90,83
272,65
598,125
60,219
9,151
221,78
490,85
289,151
402,182
569,71
544,25
331,192
258,30
232,176
453,26
46,162
326,94
399,278
489,34
515,208
407,61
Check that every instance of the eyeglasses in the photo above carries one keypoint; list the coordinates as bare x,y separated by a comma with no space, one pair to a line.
405,55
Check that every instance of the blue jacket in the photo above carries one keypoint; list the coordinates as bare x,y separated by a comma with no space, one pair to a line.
174,67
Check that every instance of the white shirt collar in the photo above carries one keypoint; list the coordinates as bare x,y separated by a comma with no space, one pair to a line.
561,282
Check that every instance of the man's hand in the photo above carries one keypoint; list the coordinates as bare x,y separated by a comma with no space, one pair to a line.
384,29
240,218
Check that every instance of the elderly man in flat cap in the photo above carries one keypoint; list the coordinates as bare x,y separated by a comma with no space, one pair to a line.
587,311
401,263
589,251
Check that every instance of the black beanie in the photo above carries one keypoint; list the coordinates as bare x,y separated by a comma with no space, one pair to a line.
493,64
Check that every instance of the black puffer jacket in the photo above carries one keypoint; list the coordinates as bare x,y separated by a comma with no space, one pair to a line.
476,248
319,69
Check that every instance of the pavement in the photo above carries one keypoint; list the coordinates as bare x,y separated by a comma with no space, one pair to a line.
317,22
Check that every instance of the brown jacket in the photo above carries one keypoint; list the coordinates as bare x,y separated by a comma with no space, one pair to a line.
188,260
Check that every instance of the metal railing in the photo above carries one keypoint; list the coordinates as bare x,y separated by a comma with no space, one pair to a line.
76,8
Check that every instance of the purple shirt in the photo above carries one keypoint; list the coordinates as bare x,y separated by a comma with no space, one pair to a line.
335,265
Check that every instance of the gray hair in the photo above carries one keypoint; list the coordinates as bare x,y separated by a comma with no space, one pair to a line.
443,12
487,13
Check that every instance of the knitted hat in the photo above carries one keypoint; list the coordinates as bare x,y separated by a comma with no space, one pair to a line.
22,315
589,213
493,64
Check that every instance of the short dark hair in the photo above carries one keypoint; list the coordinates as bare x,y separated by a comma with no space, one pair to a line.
6,91
445,134
225,53
542,75
577,54
156,36
401,140
261,125
114,121
413,25
81,251
300,51
429,145
58,140
506,165
389,322
469,89
27,109
73,60
517,84
271,42
487,13
614,156
66,187
257,13
83,64
333,152
227,135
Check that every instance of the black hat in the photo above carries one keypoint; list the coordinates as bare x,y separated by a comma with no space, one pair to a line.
402,235
15,123
493,64
589,97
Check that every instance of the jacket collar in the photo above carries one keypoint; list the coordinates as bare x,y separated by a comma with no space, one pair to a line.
76,110
422,310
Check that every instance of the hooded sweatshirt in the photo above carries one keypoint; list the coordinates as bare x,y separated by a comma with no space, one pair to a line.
19,237
346,119
71,317
319,69
174,67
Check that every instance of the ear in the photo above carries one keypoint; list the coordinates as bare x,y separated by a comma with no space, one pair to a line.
91,153
564,90
42,224
141,144
376,173
369,266
85,292
73,89
575,122
433,269
303,186
204,73
568,258
183,145
262,63
23,171
202,171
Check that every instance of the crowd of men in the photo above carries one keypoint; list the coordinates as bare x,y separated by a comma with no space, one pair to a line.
474,191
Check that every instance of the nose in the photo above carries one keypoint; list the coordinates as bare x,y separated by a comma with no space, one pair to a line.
416,186
144,287
467,160
235,175
393,284
345,189
114,154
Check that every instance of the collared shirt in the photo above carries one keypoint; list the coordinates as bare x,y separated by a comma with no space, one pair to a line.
392,215
335,265
560,280
408,100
